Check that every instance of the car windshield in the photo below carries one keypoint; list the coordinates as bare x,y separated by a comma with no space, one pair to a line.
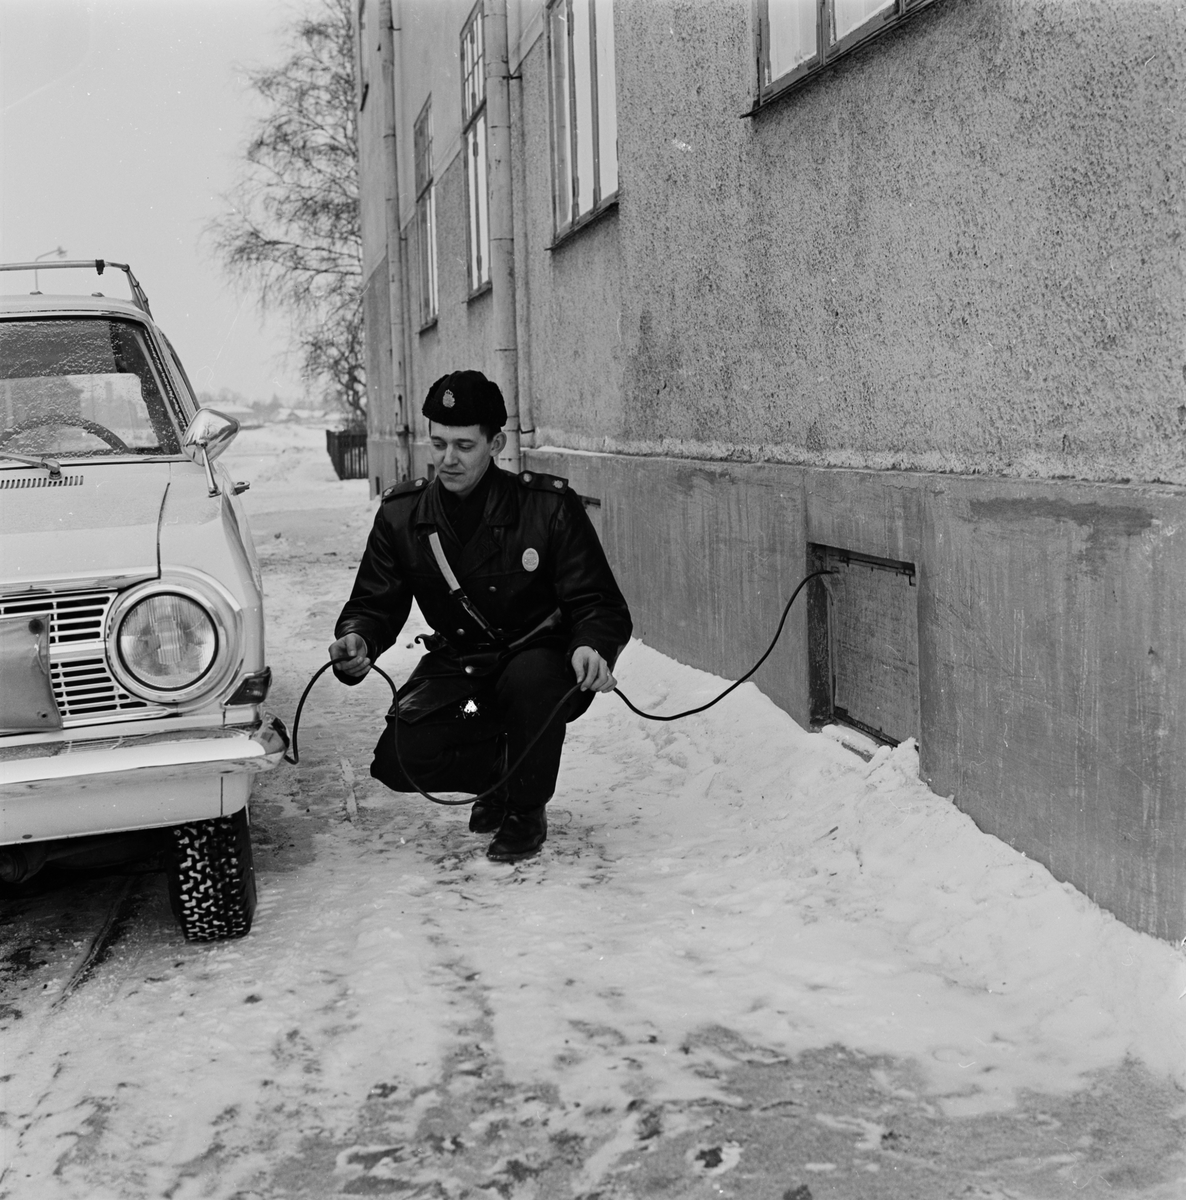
80,387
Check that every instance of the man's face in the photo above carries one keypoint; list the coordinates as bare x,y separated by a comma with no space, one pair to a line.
461,454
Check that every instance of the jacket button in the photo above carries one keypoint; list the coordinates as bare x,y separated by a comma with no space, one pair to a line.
558,483
469,670
493,588
461,633
526,476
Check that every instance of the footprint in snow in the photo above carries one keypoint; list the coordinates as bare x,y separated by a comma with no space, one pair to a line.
714,1160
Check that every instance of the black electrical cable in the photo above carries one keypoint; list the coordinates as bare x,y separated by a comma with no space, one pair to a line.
295,756
748,675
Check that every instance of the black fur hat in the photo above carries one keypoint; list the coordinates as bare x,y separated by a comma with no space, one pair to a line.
466,398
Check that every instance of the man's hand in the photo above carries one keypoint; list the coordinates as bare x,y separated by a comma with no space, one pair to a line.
349,655
592,670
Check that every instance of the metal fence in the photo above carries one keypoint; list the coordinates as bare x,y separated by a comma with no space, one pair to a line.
348,452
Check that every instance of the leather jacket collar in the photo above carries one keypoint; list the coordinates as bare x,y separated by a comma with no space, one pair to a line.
502,503
502,510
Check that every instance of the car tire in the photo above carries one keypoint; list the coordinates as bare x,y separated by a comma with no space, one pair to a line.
212,878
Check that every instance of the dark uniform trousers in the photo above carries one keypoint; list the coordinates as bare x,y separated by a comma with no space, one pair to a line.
460,753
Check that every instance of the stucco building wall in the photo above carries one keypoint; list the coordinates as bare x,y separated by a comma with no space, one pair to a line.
928,307
958,250
568,296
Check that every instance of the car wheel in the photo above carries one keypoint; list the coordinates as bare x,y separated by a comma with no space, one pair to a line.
212,878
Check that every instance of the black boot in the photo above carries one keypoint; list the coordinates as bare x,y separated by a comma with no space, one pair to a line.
486,815
521,835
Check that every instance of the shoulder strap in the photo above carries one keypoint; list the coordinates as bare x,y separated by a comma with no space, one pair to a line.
407,488
551,621
539,482
438,552
455,590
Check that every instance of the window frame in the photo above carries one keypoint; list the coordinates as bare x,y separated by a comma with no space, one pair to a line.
825,54
473,131
164,408
362,85
426,226
601,203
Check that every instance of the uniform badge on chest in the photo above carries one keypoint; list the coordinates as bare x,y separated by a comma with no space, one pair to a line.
530,558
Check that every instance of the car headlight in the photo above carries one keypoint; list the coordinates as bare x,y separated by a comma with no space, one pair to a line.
177,640
167,641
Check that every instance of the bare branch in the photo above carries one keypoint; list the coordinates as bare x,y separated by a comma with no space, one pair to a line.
291,231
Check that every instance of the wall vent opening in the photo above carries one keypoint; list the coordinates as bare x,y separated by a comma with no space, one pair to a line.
862,641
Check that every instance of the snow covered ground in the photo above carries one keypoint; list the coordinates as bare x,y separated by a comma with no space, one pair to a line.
747,963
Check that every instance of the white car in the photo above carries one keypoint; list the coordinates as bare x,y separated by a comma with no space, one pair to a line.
132,668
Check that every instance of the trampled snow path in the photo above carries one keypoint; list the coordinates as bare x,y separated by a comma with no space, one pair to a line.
725,895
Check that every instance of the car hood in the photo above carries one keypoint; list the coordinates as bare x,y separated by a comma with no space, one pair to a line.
95,527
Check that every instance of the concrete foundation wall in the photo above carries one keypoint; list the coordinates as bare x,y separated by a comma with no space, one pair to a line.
1052,650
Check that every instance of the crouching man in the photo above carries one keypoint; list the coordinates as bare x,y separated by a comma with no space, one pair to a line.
512,578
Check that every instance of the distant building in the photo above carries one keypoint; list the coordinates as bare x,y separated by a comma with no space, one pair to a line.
891,288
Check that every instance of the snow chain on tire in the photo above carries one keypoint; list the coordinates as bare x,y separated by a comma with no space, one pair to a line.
212,878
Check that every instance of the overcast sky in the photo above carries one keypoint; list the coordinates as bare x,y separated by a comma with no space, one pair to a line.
122,123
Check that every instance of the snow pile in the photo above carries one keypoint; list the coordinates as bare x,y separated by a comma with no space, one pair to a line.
800,896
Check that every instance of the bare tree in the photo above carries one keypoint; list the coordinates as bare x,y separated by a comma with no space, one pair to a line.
292,231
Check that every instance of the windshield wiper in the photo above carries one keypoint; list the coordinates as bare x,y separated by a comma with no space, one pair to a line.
50,464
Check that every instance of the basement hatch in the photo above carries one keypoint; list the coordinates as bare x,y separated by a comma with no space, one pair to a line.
862,625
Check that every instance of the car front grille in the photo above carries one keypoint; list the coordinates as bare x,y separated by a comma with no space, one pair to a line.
83,686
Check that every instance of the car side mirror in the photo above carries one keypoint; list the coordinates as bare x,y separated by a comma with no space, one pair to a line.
206,437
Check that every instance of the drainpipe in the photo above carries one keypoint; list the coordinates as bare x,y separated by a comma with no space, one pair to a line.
396,267
406,266
502,224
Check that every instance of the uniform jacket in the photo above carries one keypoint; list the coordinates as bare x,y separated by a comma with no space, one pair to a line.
535,561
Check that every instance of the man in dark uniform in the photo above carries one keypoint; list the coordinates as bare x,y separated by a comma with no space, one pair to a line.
512,578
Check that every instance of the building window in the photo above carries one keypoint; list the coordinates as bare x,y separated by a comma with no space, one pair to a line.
473,121
798,38
362,87
426,217
584,109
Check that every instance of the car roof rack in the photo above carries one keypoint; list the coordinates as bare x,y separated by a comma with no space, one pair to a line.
99,265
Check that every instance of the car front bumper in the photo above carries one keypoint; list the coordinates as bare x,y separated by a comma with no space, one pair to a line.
75,788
